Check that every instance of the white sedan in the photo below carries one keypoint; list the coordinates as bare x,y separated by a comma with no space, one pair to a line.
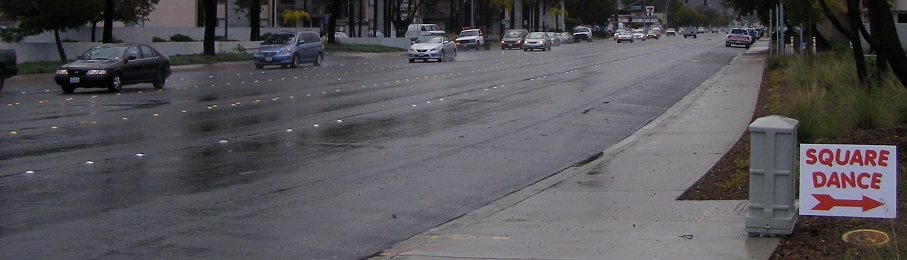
436,47
639,34
623,36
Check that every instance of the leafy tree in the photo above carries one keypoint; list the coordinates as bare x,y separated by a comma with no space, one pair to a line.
124,11
556,13
252,9
294,16
686,17
594,12
402,20
38,16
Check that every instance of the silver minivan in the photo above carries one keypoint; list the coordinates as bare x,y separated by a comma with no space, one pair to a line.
291,49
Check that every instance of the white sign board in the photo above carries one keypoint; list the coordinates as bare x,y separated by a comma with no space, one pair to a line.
848,180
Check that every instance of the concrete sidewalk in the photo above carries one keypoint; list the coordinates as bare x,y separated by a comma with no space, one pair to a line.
623,205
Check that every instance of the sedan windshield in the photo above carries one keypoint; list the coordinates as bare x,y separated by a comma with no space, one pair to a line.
536,35
512,34
280,39
104,53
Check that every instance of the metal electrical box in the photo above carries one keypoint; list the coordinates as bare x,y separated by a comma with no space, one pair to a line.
772,208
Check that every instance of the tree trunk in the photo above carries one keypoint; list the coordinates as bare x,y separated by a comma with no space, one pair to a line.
109,9
887,40
332,20
60,49
255,20
881,61
210,7
853,13
351,17
94,29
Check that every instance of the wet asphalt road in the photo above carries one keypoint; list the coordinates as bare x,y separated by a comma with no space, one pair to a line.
334,162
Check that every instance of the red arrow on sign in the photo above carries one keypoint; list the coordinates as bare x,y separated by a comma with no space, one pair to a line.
826,202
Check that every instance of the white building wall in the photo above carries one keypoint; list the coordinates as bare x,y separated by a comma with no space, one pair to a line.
174,13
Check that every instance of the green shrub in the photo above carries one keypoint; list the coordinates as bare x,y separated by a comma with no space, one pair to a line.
808,107
775,62
158,39
859,109
181,38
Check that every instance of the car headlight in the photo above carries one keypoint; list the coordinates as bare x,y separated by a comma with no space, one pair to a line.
436,48
62,72
286,51
412,49
257,53
96,72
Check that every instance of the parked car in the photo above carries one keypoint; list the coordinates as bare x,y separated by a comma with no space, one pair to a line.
514,38
291,49
670,32
113,65
714,29
567,37
700,30
639,34
470,38
582,33
753,35
8,65
437,47
738,36
537,40
689,32
623,36
415,30
555,39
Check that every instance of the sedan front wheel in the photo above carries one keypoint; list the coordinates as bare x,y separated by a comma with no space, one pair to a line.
116,83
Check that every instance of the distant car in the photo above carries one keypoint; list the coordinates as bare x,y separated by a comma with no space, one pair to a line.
689,32
714,29
514,38
639,34
618,33
670,32
654,33
113,65
437,47
623,36
537,40
582,33
470,38
568,37
700,30
287,48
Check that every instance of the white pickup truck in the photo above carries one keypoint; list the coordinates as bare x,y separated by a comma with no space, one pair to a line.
738,36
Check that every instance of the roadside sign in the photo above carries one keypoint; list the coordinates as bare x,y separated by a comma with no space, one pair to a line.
848,180
650,9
